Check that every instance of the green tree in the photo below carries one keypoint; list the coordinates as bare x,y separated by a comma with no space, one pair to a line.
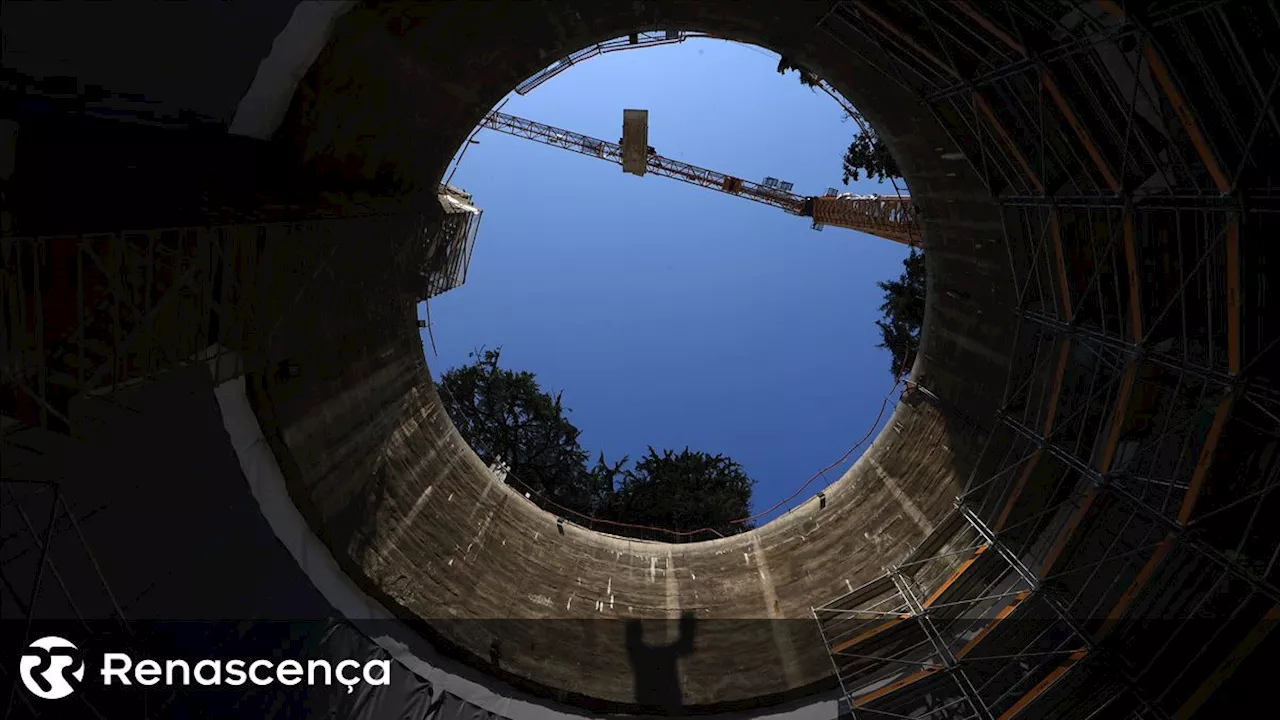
903,310
689,490
867,154
807,77
504,414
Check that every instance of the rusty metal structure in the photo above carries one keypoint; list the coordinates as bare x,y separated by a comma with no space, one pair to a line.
1118,535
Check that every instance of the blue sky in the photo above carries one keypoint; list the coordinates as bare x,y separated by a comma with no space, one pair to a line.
672,315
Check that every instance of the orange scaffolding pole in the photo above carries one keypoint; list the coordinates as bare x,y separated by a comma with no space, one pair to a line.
1205,460
1179,104
1000,616
1126,598
1060,260
1131,261
958,572
1229,664
868,634
1043,685
1051,412
1233,293
894,686
1046,79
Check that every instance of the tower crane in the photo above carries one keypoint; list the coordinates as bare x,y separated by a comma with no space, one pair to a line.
888,217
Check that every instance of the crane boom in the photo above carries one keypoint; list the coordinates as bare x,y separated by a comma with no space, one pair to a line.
883,216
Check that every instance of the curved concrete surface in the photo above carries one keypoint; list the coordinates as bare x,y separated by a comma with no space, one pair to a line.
412,516
442,541
266,482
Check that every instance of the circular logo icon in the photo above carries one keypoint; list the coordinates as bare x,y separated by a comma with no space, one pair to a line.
48,667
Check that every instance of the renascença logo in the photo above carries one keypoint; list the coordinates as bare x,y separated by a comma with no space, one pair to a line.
46,665
50,660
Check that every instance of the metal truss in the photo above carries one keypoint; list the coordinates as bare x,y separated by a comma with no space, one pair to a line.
657,164
889,217
1129,474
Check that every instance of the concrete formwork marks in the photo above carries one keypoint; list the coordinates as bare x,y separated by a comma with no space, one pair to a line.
774,611
908,506
404,524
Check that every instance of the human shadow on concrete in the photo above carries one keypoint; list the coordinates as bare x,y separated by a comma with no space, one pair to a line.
657,667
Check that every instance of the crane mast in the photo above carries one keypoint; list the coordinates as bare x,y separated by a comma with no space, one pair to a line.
883,216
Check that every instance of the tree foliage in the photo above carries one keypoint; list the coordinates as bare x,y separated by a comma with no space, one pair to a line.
903,310
807,77
686,491
505,415
868,154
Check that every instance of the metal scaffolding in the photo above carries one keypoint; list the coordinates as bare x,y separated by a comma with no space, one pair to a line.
449,253
1110,555
1113,535
87,316
91,322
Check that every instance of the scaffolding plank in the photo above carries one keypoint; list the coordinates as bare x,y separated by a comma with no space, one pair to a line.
1230,663
897,32
1117,416
1054,393
1206,458
955,576
863,637
1233,294
1131,262
1179,104
895,686
1043,685
1055,232
1126,599
935,541
990,115
1091,147
989,26
995,621
861,594
1060,544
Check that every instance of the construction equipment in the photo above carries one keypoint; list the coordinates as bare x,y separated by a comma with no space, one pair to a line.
888,217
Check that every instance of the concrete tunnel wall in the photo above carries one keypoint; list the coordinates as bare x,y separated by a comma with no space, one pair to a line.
413,514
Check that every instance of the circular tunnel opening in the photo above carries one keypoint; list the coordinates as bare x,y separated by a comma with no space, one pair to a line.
974,467
1078,474
593,583
678,310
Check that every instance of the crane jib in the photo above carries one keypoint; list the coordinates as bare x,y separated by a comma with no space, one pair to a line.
886,216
